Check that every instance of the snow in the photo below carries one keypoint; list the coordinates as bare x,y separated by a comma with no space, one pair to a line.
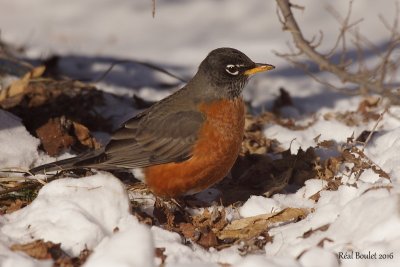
361,223
385,150
94,212
296,139
19,154
123,249
11,259
308,259
257,205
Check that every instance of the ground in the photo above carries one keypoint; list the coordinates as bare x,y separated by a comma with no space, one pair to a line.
317,181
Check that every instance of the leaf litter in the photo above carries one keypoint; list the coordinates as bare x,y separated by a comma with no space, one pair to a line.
42,250
263,168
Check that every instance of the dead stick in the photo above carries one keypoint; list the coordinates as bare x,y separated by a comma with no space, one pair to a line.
373,130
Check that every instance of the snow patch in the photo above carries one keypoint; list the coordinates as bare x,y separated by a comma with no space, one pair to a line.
21,153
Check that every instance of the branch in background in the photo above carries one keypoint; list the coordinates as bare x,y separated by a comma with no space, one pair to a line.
153,12
378,79
143,63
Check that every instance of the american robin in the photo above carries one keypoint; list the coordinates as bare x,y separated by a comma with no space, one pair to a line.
186,142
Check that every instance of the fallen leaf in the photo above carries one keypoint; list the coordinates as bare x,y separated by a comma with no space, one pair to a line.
367,103
37,249
207,238
380,172
315,196
36,72
83,135
12,95
60,133
250,227
326,143
55,137
316,139
189,231
159,253
16,205
322,228
323,240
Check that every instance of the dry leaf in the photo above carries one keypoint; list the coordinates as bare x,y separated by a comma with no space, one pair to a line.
37,249
203,227
189,231
55,137
16,205
16,90
163,214
250,227
316,196
368,103
316,139
59,134
322,241
47,250
13,94
380,172
83,135
322,228
207,239
37,72
327,143
159,253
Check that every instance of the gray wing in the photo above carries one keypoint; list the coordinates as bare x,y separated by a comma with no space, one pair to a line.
145,141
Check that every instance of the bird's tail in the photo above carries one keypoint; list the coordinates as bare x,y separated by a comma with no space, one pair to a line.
60,165
66,164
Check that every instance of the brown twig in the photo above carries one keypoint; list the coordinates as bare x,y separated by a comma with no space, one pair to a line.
143,63
373,130
153,12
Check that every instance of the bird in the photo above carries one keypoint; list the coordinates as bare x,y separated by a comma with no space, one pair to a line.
186,142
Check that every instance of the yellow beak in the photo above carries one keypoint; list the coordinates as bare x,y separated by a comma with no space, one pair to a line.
260,67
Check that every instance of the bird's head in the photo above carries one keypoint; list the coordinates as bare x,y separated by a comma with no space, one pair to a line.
228,70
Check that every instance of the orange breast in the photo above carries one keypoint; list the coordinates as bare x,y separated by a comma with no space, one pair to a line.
213,155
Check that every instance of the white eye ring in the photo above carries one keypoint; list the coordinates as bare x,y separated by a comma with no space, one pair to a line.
232,69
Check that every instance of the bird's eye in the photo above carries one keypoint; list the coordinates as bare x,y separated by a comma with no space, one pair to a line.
232,69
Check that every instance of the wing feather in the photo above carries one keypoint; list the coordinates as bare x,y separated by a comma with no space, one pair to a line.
142,143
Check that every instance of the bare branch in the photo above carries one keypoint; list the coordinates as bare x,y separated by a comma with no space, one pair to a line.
367,80
304,45
143,63
153,11
304,67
